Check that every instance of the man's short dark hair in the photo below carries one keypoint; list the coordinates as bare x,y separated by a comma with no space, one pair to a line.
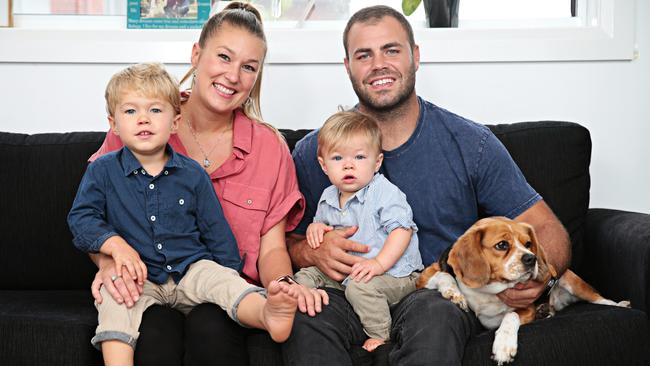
372,15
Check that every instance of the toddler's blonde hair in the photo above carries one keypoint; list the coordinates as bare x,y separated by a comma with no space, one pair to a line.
341,126
146,79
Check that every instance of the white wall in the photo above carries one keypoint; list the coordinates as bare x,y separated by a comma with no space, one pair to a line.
609,98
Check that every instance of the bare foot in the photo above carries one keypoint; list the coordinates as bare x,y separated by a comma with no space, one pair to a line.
279,310
371,343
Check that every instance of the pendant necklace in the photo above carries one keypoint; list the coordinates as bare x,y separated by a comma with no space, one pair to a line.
206,161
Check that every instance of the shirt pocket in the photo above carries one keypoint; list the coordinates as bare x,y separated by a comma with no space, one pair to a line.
179,213
245,208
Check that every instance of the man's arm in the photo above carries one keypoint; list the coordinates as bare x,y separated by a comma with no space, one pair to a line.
551,235
331,256
557,246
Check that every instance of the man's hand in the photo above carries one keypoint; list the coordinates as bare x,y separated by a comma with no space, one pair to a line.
523,294
315,233
125,256
332,256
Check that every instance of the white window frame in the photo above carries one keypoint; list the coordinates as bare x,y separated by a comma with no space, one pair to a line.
606,31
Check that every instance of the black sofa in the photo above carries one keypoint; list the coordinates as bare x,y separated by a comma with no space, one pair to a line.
47,315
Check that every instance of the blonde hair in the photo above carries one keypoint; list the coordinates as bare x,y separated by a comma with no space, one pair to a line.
146,79
341,126
245,16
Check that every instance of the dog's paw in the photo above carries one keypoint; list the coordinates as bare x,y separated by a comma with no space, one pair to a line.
504,350
456,297
624,304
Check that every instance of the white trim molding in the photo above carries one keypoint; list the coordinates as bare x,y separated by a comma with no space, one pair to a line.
604,31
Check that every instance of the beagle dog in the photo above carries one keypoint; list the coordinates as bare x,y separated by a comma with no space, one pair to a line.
493,255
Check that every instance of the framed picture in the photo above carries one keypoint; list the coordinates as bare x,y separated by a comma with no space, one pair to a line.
5,13
167,14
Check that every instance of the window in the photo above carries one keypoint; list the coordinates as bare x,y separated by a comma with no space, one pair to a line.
489,30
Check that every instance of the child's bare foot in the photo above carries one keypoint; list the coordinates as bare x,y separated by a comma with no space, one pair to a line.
371,343
279,310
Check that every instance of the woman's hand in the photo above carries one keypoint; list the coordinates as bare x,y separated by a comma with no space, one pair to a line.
123,290
310,300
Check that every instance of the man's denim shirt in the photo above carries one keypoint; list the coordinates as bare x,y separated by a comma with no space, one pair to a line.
172,220
452,170
377,209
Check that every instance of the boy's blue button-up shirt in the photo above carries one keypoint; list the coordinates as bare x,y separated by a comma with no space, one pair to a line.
172,220
377,209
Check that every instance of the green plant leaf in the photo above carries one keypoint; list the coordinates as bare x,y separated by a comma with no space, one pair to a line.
409,6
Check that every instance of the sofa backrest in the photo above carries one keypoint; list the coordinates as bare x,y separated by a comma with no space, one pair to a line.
39,176
554,157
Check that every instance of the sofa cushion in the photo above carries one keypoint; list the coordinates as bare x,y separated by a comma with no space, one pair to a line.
40,176
47,328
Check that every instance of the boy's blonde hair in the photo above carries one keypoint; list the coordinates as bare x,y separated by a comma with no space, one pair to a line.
146,79
341,126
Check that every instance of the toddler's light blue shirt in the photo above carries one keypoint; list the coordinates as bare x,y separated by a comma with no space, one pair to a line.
377,209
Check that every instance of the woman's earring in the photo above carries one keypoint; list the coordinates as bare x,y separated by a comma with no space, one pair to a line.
193,79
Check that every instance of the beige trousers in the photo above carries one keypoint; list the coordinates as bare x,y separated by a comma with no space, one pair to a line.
204,281
371,301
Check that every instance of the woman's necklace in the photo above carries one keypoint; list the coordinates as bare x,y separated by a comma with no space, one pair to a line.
206,161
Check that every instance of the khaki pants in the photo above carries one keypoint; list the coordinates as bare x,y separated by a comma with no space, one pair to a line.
371,301
205,281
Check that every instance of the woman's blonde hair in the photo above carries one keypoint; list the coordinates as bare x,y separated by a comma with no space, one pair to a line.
245,16
341,126
146,79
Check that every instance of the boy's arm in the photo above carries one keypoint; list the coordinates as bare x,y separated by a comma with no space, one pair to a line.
86,218
394,247
214,230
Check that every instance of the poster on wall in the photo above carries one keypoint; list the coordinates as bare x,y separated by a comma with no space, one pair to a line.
5,13
167,14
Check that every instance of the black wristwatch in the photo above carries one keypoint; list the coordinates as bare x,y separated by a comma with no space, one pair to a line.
550,284
286,278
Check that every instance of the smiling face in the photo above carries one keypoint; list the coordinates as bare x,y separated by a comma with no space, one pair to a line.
227,68
381,64
351,164
144,124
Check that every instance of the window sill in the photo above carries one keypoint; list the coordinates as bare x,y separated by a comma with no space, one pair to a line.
610,36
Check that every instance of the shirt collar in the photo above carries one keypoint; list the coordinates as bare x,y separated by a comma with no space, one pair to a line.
130,163
242,134
331,195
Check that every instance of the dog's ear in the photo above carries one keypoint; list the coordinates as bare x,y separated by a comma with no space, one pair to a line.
544,269
467,260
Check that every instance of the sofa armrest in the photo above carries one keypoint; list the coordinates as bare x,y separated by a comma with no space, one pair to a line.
617,255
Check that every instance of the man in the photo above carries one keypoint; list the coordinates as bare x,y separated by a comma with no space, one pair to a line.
453,172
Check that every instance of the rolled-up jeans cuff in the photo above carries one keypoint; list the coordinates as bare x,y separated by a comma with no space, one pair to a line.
112,336
235,306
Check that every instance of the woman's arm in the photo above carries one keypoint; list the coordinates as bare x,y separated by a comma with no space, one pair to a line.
274,259
274,262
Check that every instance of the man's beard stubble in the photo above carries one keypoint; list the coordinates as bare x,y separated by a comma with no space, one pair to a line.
390,106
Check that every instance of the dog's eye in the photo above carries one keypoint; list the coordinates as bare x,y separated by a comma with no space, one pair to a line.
502,245
528,244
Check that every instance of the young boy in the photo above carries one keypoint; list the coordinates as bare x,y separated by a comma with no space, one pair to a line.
349,152
156,213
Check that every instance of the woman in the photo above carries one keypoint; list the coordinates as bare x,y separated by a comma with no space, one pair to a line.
253,175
